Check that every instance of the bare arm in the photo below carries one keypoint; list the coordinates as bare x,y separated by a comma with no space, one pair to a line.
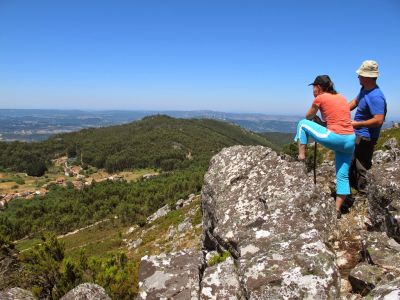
353,104
376,121
312,112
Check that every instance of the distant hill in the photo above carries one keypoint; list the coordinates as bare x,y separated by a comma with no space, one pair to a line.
158,141
38,124
31,125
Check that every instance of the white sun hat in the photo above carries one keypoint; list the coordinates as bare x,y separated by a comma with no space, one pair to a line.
369,68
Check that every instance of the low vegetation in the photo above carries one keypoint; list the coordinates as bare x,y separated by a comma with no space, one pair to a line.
218,258
387,134
99,254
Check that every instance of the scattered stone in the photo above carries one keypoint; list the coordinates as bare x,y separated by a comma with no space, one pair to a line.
388,291
159,213
345,286
171,232
391,144
86,291
179,203
342,258
134,244
189,200
132,229
185,225
16,293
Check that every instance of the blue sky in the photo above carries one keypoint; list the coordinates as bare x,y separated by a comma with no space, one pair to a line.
224,55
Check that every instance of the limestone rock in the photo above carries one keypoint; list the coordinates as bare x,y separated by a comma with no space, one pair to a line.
274,221
159,213
16,294
134,244
384,196
383,251
185,225
364,277
382,263
388,291
86,291
170,233
170,276
179,203
221,282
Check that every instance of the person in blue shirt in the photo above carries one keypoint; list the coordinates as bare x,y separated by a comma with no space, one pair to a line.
367,123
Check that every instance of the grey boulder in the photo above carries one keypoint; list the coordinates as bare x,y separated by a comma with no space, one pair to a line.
86,291
267,212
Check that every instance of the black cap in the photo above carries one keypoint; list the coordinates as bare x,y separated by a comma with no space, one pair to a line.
322,80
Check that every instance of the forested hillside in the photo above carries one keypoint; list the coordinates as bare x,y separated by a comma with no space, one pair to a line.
155,142
179,148
279,138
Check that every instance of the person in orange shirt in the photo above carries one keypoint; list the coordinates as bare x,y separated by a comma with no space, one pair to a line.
338,135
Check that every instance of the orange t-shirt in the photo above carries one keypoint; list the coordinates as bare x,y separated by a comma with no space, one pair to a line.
336,112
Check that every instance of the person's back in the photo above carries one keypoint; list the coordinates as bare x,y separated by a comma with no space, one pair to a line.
336,112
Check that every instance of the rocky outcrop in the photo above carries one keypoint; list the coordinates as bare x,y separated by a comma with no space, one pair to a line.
16,294
388,291
172,276
273,221
221,281
384,191
87,291
364,277
377,277
276,225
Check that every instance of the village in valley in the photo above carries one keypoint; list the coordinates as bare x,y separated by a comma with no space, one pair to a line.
63,172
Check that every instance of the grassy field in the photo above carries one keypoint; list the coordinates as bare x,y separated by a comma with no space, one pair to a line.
11,182
20,182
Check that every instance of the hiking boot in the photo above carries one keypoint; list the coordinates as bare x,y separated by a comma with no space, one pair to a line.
338,214
347,204
344,209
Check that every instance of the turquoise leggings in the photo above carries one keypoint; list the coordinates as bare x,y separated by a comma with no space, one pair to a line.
342,144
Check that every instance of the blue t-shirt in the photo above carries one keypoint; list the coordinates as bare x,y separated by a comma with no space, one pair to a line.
370,103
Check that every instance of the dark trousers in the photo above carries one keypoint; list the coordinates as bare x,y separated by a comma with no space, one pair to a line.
361,162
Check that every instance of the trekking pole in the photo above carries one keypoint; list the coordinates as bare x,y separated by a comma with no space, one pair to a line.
317,120
315,162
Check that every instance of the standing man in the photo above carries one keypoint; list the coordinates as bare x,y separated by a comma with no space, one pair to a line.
368,120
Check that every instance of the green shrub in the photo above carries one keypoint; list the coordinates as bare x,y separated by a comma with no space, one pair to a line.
218,258
19,181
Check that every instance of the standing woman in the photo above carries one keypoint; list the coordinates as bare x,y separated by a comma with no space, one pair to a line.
338,136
